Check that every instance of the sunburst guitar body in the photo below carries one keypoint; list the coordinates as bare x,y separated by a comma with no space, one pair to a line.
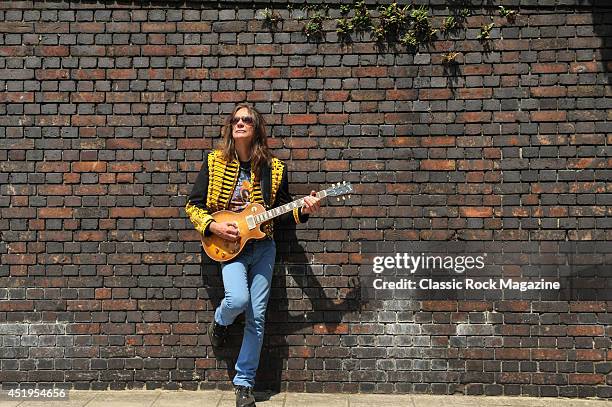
249,222
220,249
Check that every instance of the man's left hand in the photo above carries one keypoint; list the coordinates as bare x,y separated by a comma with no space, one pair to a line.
311,203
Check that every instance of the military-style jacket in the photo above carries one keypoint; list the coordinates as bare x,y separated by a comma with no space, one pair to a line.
217,180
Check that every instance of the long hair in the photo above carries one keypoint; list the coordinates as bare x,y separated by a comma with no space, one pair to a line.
260,154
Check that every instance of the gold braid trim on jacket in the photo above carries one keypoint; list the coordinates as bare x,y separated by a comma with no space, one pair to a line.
276,167
198,216
222,179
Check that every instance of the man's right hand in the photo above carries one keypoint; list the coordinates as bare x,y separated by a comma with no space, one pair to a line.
225,230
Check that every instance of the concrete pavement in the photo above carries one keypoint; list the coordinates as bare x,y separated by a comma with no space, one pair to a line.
165,398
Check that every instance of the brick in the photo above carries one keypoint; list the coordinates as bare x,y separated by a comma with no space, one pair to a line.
47,213
89,166
370,71
512,354
475,93
194,144
439,305
158,50
16,305
549,68
548,116
334,96
549,354
367,95
474,117
334,329
438,165
301,72
585,330
200,26
225,97
434,94
589,354
125,167
268,73
476,212
549,91
119,74
53,51
587,306
229,73
438,141
585,378
153,328
126,212
585,67
299,119
122,144
83,305
514,377
161,212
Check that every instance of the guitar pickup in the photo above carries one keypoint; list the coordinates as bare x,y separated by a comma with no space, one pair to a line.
250,221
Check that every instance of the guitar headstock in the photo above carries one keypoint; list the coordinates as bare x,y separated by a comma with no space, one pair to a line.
339,189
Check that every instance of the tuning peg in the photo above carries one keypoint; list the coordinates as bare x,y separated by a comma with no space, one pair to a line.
349,197
338,199
344,198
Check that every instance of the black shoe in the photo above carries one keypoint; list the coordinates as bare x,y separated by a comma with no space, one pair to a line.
217,333
244,396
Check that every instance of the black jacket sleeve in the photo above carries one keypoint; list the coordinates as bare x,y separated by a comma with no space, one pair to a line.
196,207
282,197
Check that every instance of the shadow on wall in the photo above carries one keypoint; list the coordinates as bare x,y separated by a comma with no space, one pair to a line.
293,312
602,13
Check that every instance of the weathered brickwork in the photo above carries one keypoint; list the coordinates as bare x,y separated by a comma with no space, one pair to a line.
106,110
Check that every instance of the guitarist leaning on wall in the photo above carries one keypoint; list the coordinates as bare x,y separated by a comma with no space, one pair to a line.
241,172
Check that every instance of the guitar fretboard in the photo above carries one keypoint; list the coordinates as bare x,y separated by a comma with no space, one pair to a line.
278,211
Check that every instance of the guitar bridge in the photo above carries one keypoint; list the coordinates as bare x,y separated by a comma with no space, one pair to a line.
250,221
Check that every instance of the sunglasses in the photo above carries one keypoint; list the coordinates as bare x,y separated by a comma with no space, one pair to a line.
248,120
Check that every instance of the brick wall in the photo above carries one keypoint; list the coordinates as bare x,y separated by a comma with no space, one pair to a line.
106,110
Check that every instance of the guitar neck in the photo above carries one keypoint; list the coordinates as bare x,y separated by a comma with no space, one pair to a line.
280,210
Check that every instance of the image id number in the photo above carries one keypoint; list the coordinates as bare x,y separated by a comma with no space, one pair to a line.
36,393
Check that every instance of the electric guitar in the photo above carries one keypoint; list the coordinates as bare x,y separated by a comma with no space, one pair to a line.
249,222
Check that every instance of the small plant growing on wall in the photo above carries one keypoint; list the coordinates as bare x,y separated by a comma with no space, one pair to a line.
314,27
360,22
344,25
508,13
344,28
392,20
449,24
404,24
271,18
465,12
421,26
409,40
450,58
485,32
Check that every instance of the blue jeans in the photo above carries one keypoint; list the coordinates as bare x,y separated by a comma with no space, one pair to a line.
247,280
